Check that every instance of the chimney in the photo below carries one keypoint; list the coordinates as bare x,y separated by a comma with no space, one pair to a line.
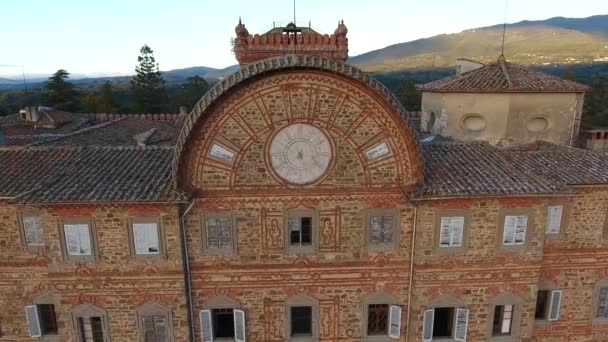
33,114
183,110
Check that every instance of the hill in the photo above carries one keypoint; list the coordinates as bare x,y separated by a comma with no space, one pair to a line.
546,42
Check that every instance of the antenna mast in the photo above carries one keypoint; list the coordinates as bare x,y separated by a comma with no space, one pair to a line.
504,30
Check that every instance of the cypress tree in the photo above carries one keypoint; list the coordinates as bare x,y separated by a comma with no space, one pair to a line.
60,93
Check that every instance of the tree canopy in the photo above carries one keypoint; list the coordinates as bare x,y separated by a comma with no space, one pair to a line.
60,93
148,84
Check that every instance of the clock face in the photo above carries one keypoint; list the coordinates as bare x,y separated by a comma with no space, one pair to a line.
300,153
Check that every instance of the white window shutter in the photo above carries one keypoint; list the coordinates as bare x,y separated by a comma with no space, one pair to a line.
427,325
394,323
554,219
462,324
556,299
445,231
508,235
520,229
239,326
33,322
206,326
457,231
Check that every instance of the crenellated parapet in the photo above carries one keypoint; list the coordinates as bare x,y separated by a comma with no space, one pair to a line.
280,41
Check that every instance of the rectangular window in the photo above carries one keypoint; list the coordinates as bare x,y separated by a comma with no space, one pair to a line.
503,316
155,328
41,319
554,219
443,325
382,230
300,231
301,321
78,239
219,233
451,231
377,319
33,235
542,304
146,239
90,329
602,304
514,232
223,323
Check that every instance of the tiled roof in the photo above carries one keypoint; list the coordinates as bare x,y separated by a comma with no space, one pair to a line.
464,169
502,76
87,174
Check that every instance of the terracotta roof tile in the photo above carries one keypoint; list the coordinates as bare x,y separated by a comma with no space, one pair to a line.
502,76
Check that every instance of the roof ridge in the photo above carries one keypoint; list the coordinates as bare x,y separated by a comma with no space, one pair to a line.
505,71
76,132
84,147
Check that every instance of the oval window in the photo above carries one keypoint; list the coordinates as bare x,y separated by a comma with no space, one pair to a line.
537,124
474,122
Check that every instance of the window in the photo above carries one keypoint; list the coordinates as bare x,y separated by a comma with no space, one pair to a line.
78,239
513,228
41,320
554,219
602,304
451,231
154,322
446,318
300,230
32,232
547,305
503,317
146,238
302,317
382,318
301,321
90,323
382,229
222,320
219,233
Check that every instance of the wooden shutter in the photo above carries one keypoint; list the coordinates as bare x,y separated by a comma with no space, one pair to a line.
388,229
394,323
206,326
33,322
32,229
375,227
225,233
78,239
145,238
213,236
520,229
462,323
427,325
160,327
508,235
148,327
554,219
239,326
457,231
556,299
602,306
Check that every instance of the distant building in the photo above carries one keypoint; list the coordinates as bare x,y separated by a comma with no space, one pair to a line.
504,104
298,201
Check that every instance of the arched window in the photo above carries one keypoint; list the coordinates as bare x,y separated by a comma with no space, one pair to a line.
302,318
445,318
505,317
90,323
222,318
381,318
155,323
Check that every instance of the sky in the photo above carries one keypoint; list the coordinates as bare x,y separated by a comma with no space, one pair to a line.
104,36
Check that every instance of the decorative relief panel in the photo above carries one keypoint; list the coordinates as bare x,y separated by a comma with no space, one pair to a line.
329,229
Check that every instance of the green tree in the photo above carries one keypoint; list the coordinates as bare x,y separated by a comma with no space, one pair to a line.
60,93
148,85
596,101
569,74
409,95
192,91
107,94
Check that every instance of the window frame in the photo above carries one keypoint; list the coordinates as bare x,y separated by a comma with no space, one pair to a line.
302,300
233,233
501,228
562,225
603,283
22,235
376,298
46,299
162,253
221,302
549,286
506,299
92,236
395,213
447,301
314,246
439,214
154,309
88,311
